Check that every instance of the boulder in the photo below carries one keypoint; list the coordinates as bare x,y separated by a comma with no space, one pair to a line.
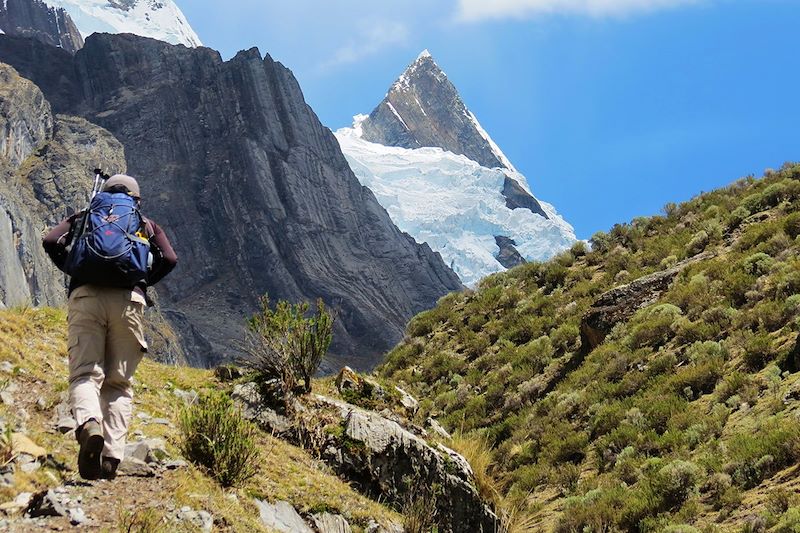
387,461
437,428
282,517
406,400
330,523
146,450
375,527
132,467
348,380
380,458
201,520
254,408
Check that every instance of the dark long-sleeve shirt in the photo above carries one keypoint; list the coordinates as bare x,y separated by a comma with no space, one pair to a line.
164,257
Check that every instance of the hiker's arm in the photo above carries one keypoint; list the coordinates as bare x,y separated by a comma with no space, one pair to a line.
56,241
167,258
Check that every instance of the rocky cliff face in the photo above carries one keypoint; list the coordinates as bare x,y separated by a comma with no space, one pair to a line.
34,18
252,189
43,162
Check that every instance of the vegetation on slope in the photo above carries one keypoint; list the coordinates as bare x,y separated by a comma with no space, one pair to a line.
33,342
685,416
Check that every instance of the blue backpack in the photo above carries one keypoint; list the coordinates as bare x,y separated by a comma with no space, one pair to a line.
111,246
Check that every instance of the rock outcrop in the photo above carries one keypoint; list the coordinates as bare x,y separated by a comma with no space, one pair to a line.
380,457
508,256
620,303
252,189
36,19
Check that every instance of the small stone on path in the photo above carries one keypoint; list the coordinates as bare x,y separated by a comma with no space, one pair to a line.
135,468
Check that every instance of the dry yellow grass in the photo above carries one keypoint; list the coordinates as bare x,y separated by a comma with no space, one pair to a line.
478,452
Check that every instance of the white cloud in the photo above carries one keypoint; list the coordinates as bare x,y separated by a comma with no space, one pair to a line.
371,38
473,10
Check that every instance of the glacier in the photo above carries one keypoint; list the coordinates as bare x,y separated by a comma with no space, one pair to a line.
454,204
158,19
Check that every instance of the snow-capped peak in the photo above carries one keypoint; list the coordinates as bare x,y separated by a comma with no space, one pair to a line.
443,180
158,19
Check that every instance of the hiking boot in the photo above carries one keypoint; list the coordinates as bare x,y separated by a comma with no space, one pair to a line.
109,468
90,438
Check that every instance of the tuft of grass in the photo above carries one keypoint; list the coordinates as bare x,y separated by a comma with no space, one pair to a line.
147,520
477,450
215,436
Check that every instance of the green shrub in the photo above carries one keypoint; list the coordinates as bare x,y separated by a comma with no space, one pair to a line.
597,510
758,264
789,522
791,225
287,344
737,217
698,243
565,477
779,500
715,488
736,384
755,455
216,437
579,249
683,528
701,352
652,326
758,350
660,408
566,338
675,483
535,355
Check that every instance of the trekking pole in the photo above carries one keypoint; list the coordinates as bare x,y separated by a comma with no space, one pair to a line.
99,179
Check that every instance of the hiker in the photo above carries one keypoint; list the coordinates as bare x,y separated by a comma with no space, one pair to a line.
106,316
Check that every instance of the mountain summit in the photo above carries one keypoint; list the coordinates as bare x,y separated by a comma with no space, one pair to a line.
158,19
423,109
445,181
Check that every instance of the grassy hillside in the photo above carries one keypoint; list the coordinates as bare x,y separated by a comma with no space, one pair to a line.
686,416
33,341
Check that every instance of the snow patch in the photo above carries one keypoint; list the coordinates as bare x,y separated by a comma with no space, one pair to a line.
158,19
396,114
453,204
424,54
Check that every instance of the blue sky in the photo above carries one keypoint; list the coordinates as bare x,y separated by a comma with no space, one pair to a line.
611,108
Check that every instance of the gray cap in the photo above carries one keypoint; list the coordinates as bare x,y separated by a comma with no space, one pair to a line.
126,181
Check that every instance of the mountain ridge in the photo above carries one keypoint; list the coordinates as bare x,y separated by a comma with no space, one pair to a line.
217,173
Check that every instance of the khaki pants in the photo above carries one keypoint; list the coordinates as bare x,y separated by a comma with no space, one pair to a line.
106,344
